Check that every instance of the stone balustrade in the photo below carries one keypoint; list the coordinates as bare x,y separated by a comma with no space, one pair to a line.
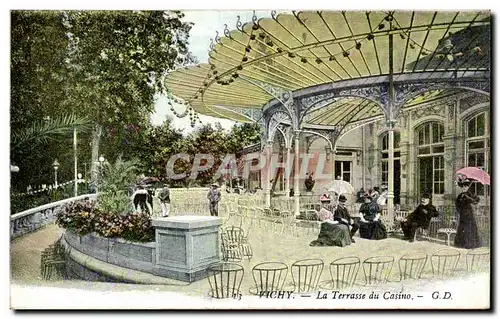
35,218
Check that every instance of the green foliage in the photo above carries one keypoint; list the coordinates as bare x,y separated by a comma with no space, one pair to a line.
43,131
86,217
107,65
114,184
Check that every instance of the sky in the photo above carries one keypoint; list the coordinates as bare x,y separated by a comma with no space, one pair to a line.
206,23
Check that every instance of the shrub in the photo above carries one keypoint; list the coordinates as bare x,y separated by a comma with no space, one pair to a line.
85,217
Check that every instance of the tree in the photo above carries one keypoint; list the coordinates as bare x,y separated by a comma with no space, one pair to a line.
38,72
118,60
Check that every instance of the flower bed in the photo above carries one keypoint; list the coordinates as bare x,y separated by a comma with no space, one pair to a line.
85,217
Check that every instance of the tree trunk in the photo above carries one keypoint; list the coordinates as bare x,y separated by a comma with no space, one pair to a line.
96,137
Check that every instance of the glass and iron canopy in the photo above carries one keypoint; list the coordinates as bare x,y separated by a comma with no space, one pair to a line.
313,53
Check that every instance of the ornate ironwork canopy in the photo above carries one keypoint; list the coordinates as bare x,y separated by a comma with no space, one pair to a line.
335,66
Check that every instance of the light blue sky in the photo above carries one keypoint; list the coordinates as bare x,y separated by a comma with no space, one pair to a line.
206,23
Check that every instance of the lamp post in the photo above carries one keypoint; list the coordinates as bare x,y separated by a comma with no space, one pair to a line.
56,167
101,163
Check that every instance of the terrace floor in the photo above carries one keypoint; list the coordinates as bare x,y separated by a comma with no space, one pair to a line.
267,246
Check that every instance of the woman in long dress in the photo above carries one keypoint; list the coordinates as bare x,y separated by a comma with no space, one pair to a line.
332,233
467,233
370,225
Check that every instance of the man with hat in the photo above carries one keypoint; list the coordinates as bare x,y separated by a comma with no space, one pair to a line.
420,218
213,199
164,197
342,216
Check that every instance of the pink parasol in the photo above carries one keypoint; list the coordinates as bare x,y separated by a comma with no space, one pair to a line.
475,173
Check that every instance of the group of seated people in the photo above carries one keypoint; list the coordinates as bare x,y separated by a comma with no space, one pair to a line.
338,226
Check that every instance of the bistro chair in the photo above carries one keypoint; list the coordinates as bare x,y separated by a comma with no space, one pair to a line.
444,262
306,274
225,280
344,272
477,260
269,276
411,266
377,269
231,248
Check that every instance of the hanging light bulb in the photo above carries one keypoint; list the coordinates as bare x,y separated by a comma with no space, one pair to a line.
252,37
245,59
370,36
358,45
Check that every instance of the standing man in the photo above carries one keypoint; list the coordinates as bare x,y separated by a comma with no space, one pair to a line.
213,199
164,197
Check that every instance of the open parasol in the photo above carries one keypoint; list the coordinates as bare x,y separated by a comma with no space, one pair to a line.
476,174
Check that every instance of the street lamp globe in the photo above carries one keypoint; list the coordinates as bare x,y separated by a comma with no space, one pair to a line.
79,175
55,164
101,159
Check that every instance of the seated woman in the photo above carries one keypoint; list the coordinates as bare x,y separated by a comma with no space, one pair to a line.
332,232
421,217
370,225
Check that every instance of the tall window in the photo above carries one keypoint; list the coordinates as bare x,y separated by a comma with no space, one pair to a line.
430,151
477,145
385,154
343,170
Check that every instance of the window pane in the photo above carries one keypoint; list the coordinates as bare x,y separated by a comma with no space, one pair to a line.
347,166
476,145
441,175
421,137
480,159
385,155
385,166
471,132
346,177
384,142
435,133
480,125
397,138
438,149
427,130
337,169
471,160
424,150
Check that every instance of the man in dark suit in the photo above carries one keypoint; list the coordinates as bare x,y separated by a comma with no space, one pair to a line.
421,217
342,216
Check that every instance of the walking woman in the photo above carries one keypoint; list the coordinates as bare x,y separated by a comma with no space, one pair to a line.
467,233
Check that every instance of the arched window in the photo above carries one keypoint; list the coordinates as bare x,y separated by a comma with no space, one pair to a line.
430,159
477,145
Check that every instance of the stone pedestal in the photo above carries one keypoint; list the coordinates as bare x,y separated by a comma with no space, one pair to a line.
186,246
